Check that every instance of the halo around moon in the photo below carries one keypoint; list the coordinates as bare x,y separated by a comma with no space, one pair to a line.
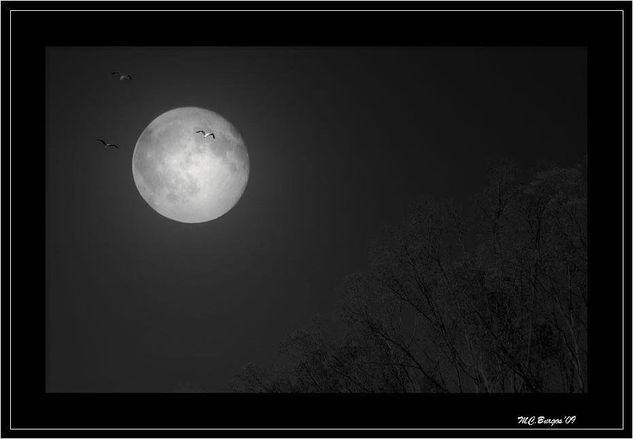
183,175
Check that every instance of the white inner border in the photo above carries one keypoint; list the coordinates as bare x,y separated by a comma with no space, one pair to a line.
304,10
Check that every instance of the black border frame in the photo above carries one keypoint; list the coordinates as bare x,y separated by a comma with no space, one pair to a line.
605,32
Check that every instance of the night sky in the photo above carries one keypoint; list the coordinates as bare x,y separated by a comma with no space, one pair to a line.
341,142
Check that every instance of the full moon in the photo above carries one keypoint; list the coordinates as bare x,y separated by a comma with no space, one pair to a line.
186,176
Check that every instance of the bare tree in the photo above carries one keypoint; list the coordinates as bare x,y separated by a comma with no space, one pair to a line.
495,301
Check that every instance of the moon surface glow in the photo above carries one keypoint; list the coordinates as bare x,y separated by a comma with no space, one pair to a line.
187,177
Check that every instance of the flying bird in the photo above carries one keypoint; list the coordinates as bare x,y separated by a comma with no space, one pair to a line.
106,144
205,134
123,76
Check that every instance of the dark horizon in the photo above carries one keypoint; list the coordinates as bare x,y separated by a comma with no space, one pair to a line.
139,303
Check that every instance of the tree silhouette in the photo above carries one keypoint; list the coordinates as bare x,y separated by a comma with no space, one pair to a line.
494,300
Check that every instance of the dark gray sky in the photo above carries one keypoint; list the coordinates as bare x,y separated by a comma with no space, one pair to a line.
341,142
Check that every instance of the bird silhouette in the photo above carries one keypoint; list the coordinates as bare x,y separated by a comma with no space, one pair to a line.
205,134
106,144
123,76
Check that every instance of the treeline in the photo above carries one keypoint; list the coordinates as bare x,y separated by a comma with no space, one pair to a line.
490,301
